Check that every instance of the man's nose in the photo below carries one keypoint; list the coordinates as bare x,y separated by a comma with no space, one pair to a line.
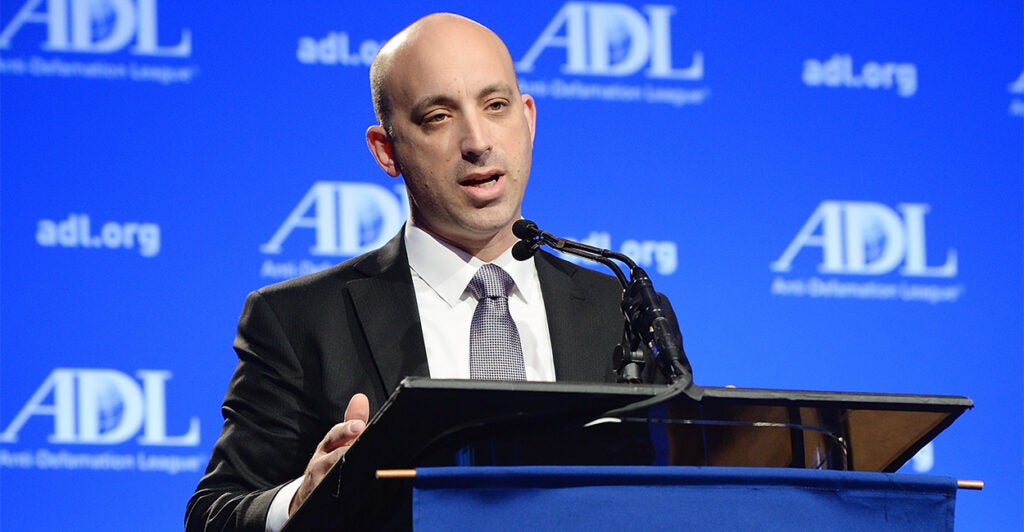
476,141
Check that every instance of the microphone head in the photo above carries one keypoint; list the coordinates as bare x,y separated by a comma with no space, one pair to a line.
523,249
525,229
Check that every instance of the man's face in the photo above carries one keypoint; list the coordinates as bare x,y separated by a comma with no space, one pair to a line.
462,135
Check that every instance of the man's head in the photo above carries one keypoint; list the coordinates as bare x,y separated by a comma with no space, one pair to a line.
454,125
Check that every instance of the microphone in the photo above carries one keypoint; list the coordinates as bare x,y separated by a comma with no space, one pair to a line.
529,235
531,238
524,249
526,229
645,316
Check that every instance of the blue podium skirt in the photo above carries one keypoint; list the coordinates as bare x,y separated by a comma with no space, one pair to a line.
678,498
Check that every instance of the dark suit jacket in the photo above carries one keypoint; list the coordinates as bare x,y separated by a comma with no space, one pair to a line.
305,346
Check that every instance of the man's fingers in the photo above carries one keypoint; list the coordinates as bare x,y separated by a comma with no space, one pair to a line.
358,408
318,468
344,434
334,445
341,435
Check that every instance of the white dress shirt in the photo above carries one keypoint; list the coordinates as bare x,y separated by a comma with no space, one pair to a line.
440,279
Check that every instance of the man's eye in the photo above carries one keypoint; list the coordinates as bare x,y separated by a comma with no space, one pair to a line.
437,117
497,105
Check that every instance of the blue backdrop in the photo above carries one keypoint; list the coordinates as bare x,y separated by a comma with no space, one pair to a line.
830,193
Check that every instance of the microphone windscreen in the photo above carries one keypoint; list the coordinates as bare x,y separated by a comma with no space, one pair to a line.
523,250
525,229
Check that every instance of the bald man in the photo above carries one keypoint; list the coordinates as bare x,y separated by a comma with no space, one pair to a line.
318,354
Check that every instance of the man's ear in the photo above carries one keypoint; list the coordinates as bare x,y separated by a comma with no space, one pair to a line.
530,111
380,145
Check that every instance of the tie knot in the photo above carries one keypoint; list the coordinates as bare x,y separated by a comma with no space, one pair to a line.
491,281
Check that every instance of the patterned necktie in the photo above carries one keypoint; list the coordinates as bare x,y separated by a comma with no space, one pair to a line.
495,351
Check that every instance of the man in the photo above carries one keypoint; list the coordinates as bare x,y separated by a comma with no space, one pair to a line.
317,354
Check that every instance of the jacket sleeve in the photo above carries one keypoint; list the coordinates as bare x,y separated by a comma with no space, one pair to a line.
270,429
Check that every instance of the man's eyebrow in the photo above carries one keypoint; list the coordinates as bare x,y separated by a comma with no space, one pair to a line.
497,87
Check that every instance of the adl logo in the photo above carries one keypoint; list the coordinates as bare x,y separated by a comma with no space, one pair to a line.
604,39
864,238
347,219
96,27
103,406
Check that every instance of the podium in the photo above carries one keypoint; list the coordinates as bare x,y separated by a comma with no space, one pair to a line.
442,423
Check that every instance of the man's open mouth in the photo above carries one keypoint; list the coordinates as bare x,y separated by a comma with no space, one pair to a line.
481,181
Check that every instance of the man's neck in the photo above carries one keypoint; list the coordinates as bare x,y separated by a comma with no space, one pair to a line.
486,249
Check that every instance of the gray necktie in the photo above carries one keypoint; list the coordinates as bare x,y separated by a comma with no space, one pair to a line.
495,351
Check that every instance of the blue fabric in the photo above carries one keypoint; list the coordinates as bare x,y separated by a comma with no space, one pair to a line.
678,498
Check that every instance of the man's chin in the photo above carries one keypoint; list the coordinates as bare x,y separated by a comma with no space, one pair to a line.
478,232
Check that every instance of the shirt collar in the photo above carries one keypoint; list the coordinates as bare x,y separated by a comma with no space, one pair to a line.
447,269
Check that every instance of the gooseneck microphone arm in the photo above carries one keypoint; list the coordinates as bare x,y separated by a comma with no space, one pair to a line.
646,320
531,238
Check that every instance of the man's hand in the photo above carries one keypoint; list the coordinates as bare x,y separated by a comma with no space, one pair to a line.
334,445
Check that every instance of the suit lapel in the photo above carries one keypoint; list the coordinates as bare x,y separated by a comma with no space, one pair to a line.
579,354
386,305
